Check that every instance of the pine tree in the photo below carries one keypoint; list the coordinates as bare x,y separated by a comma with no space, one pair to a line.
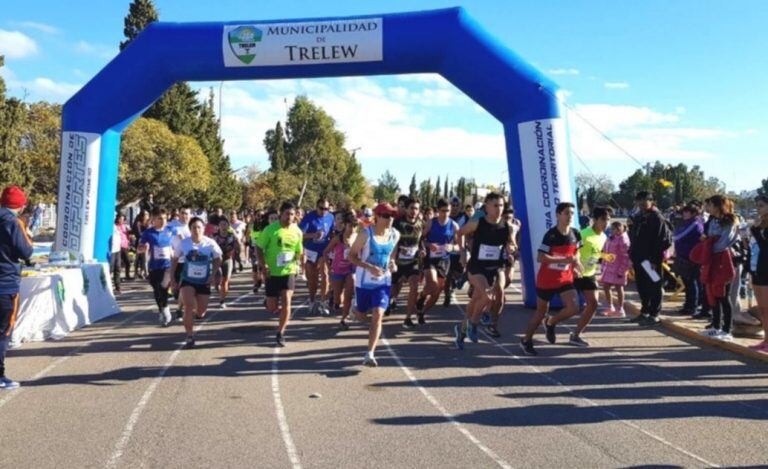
274,142
140,14
446,194
438,188
412,189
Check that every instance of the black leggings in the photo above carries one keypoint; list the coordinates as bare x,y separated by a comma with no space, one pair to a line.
161,294
723,312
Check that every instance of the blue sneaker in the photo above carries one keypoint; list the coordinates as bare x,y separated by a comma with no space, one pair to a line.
486,319
472,333
458,337
8,384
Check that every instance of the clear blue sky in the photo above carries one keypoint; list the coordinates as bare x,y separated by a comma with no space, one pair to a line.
677,81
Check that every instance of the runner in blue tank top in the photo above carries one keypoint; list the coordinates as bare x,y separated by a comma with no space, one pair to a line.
441,240
373,253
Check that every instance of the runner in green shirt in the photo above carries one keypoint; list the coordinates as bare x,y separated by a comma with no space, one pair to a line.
593,239
279,249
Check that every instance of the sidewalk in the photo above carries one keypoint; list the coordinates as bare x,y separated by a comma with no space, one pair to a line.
690,329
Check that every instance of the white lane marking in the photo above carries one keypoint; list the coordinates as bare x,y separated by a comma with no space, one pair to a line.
42,373
592,403
447,415
282,421
125,437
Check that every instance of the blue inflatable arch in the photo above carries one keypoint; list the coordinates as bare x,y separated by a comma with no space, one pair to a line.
448,42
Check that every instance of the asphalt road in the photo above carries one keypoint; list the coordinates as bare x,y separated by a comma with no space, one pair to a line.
121,393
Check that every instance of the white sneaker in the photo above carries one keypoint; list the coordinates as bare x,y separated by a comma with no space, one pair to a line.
711,333
8,384
167,318
724,336
223,305
621,313
369,360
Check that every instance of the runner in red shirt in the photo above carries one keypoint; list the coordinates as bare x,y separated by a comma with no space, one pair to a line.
559,258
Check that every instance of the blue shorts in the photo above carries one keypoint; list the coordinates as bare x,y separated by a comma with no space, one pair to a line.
339,277
367,300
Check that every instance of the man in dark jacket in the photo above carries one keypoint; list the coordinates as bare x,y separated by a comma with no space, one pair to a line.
650,236
15,246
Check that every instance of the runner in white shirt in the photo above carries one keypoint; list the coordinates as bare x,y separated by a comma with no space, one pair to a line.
201,259
238,226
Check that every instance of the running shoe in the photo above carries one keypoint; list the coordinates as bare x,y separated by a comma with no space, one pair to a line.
701,315
279,340
459,337
649,321
637,319
710,332
550,331
759,347
492,331
577,341
189,343
8,384
223,305
472,333
420,318
179,315
323,310
408,323
724,336
486,319
369,360
527,347
343,325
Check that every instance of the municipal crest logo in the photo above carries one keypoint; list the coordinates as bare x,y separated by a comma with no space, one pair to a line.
242,41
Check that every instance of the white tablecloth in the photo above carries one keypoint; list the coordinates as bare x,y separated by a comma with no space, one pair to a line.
53,305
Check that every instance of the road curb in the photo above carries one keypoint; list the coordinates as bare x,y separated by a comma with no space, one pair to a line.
672,326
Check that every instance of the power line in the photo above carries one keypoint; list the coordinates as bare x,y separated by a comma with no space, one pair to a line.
593,126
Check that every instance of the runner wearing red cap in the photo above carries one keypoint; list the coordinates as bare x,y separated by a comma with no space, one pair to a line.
15,246
373,252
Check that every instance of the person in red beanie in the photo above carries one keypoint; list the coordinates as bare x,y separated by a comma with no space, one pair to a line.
15,246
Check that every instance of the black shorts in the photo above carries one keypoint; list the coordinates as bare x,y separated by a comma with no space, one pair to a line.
276,285
547,294
405,272
441,265
456,268
227,267
199,289
490,273
585,284
759,280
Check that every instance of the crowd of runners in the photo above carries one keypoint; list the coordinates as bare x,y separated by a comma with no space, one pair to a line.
356,263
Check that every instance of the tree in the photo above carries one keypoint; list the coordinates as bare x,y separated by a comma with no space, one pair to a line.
593,190
140,14
763,189
179,108
412,188
426,193
387,188
314,151
274,142
269,188
41,149
446,194
461,189
173,168
225,190
437,190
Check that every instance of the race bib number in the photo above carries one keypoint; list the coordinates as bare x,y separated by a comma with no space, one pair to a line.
284,258
160,253
372,280
560,267
197,271
407,252
311,255
437,250
489,253
346,253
